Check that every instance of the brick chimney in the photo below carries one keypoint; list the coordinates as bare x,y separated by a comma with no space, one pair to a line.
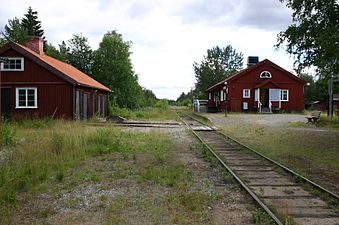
36,44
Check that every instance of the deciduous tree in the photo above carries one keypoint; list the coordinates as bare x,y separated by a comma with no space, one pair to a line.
14,31
218,64
112,67
313,36
78,53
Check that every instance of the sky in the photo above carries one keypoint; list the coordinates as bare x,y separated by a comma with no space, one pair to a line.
167,36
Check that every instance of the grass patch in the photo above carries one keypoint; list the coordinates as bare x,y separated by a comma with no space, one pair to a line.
260,217
153,113
54,157
303,150
323,122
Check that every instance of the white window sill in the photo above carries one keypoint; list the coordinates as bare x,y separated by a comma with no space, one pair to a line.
24,107
11,70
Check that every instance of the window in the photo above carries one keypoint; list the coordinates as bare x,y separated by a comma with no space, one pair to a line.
246,93
265,74
221,95
245,105
13,64
26,98
284,95
209,96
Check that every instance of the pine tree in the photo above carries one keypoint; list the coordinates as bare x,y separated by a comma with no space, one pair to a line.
31,23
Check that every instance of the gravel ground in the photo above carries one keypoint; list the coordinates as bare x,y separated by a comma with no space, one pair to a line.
86,202
271,120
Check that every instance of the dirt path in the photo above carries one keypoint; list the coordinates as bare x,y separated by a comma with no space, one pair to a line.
102,188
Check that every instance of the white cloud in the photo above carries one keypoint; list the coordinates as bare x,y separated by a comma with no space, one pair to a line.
167,36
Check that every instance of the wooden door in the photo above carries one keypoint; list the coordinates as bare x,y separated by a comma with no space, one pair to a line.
264,97
6,103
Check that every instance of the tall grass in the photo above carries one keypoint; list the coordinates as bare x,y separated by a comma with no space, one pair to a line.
161,111
37,151
41,154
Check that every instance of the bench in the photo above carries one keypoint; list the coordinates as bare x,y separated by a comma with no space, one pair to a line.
313,117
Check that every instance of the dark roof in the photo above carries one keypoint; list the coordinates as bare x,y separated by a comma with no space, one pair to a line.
249,69
61,69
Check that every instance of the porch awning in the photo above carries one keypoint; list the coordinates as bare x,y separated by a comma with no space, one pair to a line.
267,84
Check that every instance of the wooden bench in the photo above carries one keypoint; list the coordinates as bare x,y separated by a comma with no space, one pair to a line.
313,117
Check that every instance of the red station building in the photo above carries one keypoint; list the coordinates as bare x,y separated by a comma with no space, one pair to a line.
262,87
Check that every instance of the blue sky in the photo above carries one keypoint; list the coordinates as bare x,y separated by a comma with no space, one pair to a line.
167,35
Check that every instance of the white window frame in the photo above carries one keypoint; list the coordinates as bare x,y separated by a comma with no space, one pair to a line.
26,106
282,94
265,72
209,96
246,93
13,58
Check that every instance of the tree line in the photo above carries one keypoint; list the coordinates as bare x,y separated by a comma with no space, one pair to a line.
110,64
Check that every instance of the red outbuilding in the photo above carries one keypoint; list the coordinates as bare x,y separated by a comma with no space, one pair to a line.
262,86
35,85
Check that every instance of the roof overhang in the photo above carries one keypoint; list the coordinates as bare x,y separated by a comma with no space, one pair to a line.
267,84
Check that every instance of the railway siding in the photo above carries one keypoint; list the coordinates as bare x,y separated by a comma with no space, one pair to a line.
290,201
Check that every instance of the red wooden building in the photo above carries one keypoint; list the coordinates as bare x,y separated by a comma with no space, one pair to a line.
36,85
322,105
262,86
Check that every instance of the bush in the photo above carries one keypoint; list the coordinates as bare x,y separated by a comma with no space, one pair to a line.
162,104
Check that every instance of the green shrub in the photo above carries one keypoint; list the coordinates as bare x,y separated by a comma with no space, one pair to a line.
8,133
162,104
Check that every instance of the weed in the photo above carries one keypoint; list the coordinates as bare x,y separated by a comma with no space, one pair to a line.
44,213
297,179
288,191
60,176
165,175
260,217
228,178
8,133
194,201
57,143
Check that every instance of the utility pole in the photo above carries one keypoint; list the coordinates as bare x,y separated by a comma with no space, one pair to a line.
330,97
330,90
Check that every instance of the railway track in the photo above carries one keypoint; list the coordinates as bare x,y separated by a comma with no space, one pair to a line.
277,189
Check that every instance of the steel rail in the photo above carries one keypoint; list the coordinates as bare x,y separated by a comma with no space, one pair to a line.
243,185
332,194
